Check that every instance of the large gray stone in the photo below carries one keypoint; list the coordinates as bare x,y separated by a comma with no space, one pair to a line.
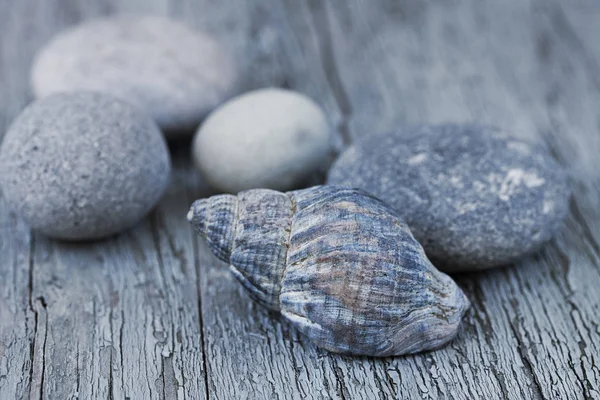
83,165
175,74
474,196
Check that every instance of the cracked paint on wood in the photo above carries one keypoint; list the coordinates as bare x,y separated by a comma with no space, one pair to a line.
152,314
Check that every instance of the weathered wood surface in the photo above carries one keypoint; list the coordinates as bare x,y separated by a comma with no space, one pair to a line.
151,314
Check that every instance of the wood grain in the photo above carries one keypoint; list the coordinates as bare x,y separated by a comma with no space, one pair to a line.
151,314
477,69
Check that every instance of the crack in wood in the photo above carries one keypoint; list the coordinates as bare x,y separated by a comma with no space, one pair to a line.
122,360
78,377
339,376
522,349
481,315
197,266
30,293
39,360
586,385
111,384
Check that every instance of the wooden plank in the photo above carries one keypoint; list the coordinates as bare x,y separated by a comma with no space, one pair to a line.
95,319
18,310
533,330
250,353
122,314
151,314
117,318
466,369
556,91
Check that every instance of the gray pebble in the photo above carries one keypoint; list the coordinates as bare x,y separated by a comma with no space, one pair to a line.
267,138
474,196
83,165
177,75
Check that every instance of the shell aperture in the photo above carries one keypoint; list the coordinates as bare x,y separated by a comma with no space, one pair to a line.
338,264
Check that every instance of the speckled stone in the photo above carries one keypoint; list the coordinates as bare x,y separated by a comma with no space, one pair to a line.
474,196
83,165
268,138
177,75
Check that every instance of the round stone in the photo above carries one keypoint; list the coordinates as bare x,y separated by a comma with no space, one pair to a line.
269,138
474,196
83,165
175,74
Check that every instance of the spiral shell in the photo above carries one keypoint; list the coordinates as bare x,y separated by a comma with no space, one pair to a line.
338,264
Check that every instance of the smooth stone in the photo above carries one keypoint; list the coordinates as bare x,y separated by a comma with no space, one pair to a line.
176,74
268,138
83,165
474,196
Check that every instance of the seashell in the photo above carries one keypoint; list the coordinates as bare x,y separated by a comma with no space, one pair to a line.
338,264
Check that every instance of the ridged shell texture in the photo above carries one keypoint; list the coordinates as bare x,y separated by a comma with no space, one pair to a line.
338,264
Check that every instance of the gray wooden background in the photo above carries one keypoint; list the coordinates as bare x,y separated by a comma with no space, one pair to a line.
150,314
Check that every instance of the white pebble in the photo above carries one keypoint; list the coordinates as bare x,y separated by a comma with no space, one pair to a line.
269,138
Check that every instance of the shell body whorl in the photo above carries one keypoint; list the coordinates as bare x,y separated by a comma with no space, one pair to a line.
342,268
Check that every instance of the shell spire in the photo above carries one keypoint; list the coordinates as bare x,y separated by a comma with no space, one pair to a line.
215,220
251,232
338,264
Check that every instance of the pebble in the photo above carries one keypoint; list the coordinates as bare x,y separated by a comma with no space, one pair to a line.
177,75
83,165
474,196
268,138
